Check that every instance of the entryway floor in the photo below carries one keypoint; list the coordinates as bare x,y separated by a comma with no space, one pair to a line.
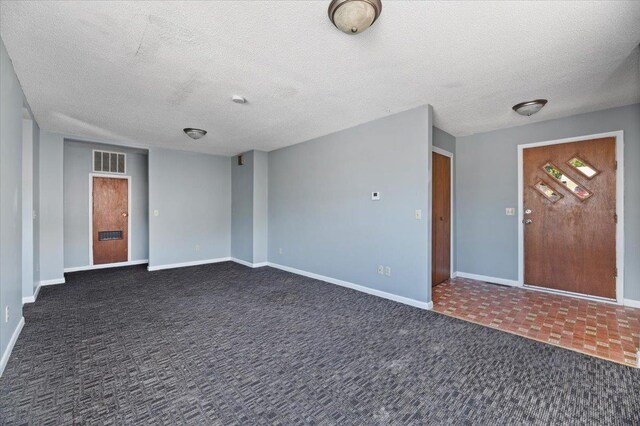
599,329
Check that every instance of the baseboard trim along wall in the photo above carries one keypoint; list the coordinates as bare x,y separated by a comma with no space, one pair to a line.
106,265
52,282
12,342
185,264
494,280
249,264
357,287
632,304
32,299
513,283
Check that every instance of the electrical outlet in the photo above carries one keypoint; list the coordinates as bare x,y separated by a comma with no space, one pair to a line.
6,313
387,271
381,269
510,211
280,250
197,247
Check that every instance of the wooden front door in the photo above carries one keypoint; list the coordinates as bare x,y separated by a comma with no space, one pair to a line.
441,219
110,220
570,217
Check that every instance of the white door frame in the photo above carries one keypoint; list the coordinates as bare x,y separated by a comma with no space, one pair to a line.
450,155
110,176
619,135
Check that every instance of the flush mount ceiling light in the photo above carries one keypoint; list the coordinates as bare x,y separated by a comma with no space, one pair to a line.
530,107
194,134
354,16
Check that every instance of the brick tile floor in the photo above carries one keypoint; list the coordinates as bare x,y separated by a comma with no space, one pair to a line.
599,329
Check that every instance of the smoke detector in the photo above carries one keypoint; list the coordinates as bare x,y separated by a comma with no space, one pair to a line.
239,99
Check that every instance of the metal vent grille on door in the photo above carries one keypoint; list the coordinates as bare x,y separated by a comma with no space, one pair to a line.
109,162
109,235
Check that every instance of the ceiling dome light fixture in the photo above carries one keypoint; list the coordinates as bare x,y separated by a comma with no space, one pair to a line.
194,134
530,107
354,16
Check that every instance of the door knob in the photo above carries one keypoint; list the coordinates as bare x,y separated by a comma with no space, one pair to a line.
527,221
527,211
124,214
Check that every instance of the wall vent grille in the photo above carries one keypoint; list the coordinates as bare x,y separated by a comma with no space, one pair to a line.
109,162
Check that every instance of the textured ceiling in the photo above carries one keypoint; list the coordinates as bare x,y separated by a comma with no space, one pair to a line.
138,72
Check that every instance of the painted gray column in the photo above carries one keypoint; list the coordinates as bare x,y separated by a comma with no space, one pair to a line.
51,208
27,208
249,207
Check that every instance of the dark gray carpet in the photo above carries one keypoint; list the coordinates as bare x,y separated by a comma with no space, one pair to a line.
225,344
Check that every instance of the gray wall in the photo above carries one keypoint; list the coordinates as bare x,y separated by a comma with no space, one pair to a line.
249,207
11,101
322,216
192,193
242,208
487,184
51,207
27,207
260,203
78,157
446,141
36,205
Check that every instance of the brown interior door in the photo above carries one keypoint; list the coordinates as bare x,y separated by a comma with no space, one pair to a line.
441,219
570,217
110,220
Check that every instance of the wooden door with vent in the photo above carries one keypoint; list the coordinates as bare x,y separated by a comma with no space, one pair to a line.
110,220
570,217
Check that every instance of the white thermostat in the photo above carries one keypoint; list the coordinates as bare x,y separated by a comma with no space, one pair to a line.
375,196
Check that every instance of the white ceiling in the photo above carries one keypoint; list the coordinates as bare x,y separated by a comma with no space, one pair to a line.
138,72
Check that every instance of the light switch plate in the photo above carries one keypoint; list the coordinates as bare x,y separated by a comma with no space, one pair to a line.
156,213
375,196
511,211
418,214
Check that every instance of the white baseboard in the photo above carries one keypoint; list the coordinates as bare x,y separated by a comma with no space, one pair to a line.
631,303
185,264
494,280
12,342
32,299
52,282
106,265
357,287
249,264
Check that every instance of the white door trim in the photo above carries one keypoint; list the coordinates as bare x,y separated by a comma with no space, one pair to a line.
619,135
110,176
450,155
